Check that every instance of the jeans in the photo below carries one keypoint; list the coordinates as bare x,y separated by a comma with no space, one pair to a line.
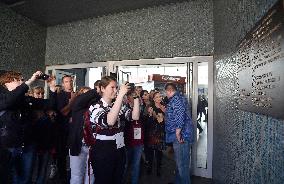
182,158
79,168
42,166
133,159
22,164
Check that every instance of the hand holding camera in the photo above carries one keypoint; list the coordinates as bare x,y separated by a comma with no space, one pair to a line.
131,87
43,76
37,75
123,89
33,78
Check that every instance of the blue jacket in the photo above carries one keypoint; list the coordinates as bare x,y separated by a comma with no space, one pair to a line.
178,116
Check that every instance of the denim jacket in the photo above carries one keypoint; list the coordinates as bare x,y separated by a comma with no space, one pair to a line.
178,116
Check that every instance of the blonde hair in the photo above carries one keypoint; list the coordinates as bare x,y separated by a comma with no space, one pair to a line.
38,88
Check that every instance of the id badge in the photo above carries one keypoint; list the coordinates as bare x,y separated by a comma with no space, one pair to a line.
119,139
137,133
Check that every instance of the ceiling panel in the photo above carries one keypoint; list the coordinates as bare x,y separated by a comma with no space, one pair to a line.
53,12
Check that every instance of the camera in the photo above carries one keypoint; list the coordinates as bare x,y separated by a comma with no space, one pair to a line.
132,86
43,77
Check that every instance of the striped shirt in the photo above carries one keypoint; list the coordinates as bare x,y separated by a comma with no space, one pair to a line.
98,117
178,116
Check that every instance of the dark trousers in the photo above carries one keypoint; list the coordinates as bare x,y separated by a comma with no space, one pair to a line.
5,166
108,162
62,153
150,153
62,166
42,167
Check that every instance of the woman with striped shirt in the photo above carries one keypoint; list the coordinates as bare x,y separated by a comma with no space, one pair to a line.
108,120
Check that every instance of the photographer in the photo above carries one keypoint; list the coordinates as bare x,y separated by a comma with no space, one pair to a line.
15,124
108,121
134,137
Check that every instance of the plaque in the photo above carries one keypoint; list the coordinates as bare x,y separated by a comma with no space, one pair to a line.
260,61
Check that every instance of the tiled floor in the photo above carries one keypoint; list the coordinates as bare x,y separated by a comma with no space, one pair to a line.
202,145
167,176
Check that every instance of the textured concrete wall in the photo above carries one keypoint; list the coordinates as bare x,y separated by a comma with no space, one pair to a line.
248,147
182,29
22,43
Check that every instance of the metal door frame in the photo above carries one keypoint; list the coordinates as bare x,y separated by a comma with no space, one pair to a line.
78,65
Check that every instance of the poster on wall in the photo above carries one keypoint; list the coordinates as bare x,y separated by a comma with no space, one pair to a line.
260,60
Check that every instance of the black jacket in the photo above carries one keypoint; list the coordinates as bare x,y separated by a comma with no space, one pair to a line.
17,120
10,121
79,107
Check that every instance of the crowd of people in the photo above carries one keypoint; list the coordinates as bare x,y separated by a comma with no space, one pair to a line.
102,131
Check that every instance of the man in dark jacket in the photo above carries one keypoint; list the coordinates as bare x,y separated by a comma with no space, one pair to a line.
64,101
14,118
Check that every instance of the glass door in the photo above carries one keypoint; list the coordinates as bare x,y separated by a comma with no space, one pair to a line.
203,118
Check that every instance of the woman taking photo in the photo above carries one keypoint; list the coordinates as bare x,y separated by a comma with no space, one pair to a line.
108,120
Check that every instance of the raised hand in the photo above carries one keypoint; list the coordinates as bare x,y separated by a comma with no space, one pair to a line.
33,77
124,88
51,82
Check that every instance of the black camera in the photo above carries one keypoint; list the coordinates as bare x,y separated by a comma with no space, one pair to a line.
43,77
132,86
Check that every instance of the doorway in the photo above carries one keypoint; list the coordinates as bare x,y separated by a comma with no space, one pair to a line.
195,76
